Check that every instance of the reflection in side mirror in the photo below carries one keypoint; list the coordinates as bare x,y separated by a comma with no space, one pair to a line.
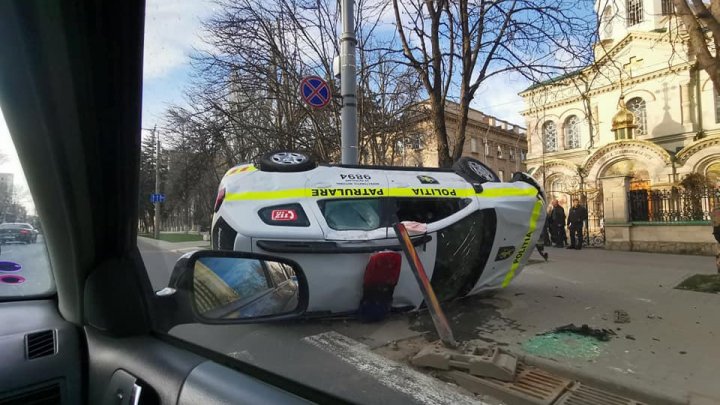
233,288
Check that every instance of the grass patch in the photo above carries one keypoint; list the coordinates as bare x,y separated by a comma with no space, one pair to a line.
707,283
176,237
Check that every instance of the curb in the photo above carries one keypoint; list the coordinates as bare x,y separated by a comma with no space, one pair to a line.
637,391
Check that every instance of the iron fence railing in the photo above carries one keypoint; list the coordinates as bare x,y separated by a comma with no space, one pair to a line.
672,205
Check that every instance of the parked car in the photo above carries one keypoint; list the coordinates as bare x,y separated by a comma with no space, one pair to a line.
476,232
18,232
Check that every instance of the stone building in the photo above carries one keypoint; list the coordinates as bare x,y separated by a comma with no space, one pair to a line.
497,143
640,119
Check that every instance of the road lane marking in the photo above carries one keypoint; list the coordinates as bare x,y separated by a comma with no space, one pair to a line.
396,376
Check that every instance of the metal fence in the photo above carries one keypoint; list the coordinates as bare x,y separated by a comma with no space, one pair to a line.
672,205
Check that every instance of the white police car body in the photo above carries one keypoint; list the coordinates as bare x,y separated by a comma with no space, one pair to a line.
330,219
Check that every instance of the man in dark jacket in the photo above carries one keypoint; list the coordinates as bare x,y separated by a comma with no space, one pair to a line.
558,224
575,220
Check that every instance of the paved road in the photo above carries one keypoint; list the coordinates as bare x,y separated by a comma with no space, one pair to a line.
35,268
672,344
159,259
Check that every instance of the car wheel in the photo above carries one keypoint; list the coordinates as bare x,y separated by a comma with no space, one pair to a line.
526,178
474,170
286,161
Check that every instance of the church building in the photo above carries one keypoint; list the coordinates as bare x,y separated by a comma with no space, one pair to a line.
640,118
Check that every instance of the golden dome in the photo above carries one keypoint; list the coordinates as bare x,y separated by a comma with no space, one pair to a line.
624,118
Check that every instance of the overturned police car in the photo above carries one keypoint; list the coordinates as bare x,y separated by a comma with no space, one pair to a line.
472,232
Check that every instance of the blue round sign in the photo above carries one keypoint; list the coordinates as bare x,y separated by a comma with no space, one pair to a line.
315,91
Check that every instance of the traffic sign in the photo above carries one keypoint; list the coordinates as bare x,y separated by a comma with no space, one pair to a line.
157,198
315,91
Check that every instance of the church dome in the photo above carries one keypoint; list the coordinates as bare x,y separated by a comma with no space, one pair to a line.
624,118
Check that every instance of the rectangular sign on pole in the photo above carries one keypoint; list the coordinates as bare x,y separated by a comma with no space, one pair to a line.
157,198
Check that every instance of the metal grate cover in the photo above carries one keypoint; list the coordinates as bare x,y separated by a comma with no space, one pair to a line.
532,386
580,394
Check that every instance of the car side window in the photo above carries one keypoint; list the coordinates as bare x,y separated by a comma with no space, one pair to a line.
355,214
24,265
428,210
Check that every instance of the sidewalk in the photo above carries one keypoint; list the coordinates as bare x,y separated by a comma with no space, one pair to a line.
177,247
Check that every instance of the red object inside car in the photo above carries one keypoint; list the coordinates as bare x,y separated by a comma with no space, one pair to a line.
383,268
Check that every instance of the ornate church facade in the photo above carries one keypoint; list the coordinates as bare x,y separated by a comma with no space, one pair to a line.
643,112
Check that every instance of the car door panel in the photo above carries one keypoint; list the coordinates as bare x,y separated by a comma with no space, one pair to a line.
212,383
49,366
168,375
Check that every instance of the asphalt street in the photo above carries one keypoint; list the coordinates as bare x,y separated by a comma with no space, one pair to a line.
32,276
668,346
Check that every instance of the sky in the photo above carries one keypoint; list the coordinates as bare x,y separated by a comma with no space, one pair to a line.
173,32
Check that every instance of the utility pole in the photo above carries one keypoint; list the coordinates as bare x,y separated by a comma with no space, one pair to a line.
348,86
156,227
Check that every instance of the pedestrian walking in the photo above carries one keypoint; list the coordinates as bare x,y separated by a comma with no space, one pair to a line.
575,221
558,224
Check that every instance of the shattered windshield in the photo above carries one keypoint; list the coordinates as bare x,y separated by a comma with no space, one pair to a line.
437,201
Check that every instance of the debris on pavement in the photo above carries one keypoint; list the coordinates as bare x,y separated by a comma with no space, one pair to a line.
483,361
621,316
569,341
602,335
629,337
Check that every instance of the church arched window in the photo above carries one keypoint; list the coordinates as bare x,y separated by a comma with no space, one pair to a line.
572,132
549,132
637,106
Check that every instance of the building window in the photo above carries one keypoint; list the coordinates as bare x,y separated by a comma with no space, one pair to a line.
487,148
667,7
634,12
501,175
499,152
523,155
473,145
637,106
607,22
549,132
416,141
572,132
511,153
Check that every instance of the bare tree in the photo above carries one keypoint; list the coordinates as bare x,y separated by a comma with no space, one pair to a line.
702,21
485,38
244,100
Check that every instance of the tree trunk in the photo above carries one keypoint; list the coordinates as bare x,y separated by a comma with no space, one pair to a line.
440,131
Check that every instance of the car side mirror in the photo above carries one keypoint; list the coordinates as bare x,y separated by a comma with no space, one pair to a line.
233,287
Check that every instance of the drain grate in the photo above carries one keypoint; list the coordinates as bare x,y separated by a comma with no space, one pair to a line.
532,386
580,394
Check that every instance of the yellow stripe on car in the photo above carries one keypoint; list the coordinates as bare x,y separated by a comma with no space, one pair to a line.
526,243
508,192
369,192
241,169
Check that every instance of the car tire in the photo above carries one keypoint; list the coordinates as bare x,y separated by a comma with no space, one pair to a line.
286,161
474,170
526,178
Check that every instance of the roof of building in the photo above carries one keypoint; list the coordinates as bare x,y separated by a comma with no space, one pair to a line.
554,79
